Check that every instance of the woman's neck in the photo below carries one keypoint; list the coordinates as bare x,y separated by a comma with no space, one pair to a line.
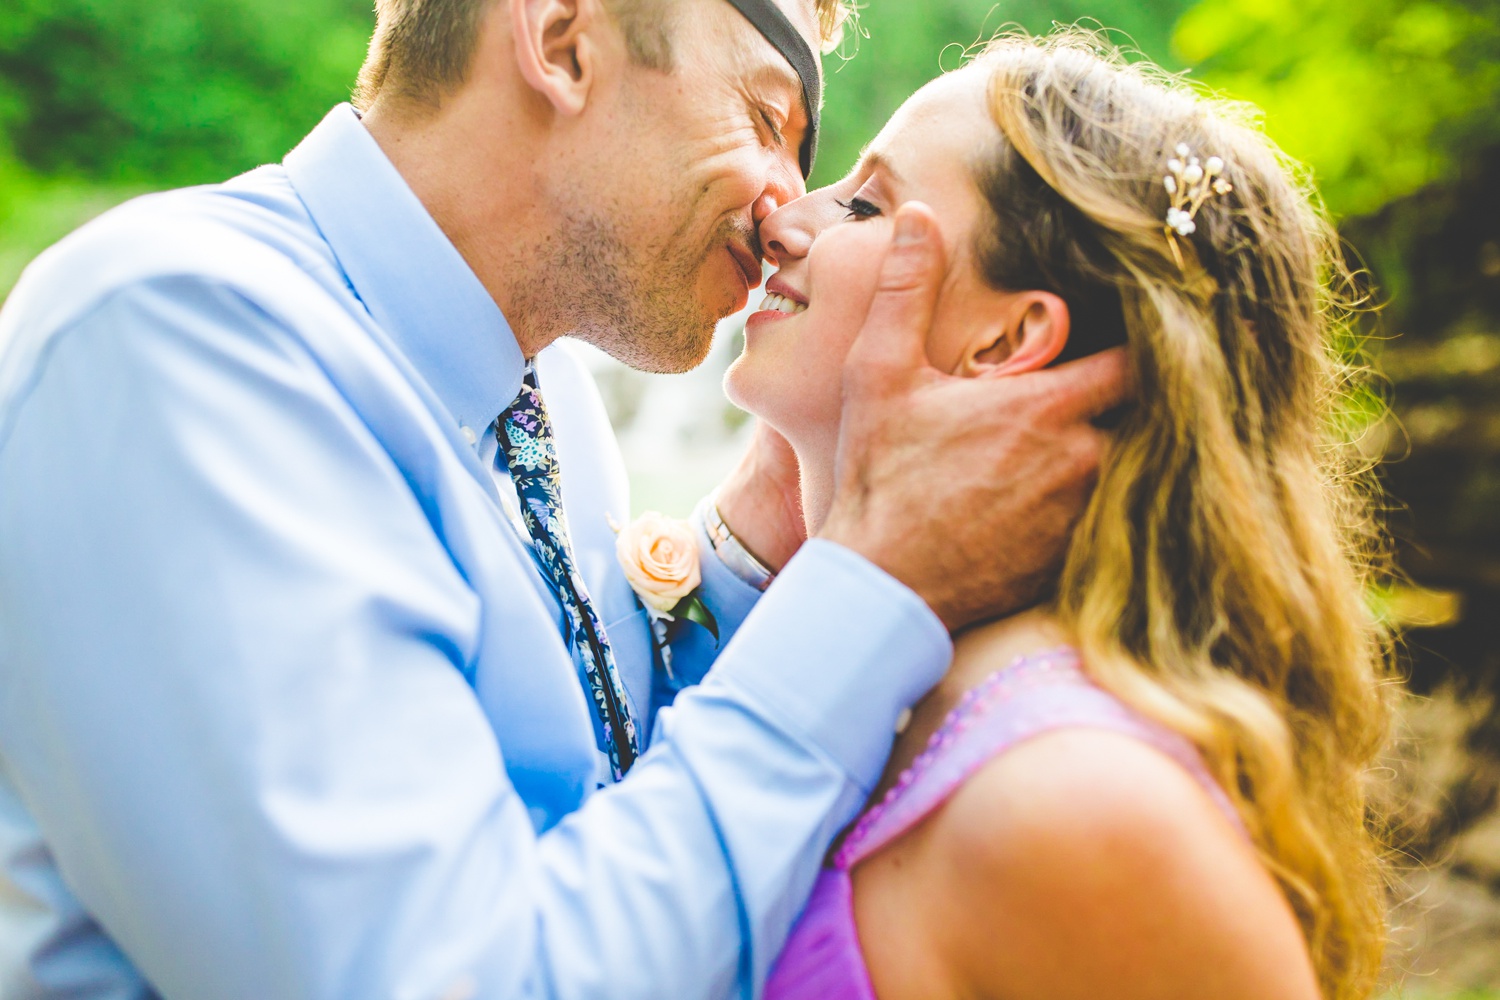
983,649
815,465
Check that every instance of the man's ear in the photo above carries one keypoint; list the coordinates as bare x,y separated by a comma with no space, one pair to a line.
1032,332
557,48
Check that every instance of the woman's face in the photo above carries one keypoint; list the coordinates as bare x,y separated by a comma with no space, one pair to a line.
828,246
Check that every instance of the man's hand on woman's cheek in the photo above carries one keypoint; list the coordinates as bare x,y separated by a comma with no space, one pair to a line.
761,499
965,489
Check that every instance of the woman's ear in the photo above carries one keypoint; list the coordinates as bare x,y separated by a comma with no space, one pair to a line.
1031,333
557,50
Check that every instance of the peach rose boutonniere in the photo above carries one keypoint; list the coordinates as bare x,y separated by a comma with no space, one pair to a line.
660,557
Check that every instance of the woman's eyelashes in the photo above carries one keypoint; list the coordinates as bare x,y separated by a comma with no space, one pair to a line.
858,208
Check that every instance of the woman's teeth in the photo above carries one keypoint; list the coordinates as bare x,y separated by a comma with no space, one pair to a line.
781,304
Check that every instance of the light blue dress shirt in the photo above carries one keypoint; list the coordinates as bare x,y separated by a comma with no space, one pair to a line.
286,710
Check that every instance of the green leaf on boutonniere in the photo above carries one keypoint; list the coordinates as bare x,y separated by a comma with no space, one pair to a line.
693,609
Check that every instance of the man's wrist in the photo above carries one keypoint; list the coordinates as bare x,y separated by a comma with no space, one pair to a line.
730,551
850,617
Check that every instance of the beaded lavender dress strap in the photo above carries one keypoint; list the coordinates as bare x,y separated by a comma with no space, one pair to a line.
1034,695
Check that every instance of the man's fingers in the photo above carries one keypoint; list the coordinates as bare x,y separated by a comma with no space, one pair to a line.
895,329
1091,386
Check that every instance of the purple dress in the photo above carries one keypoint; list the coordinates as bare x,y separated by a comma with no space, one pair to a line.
1034,695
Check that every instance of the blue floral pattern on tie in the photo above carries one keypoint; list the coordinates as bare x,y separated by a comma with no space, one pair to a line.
525,436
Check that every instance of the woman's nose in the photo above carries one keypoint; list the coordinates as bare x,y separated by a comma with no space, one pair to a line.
784,233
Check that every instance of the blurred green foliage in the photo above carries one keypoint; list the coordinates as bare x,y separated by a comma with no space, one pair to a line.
144,91
1380,97
102,99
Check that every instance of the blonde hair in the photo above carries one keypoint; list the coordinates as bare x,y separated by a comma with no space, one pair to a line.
1218,580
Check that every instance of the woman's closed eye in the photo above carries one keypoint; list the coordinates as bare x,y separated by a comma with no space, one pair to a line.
858,208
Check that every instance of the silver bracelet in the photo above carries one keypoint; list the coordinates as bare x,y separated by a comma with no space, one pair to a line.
730,550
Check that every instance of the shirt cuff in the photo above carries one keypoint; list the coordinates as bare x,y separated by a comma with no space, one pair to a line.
838,648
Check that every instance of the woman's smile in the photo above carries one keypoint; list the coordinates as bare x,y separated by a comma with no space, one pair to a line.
782,302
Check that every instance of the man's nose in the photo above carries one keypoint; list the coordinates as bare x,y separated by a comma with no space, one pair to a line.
783,185
779,192
766,205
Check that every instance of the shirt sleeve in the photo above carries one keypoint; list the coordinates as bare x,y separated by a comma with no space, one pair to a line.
230,699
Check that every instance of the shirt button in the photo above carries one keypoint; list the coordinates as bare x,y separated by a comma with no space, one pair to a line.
469,434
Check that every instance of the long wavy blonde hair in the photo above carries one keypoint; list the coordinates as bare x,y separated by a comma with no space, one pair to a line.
1219,579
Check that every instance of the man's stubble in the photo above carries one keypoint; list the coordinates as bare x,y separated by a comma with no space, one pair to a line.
642,308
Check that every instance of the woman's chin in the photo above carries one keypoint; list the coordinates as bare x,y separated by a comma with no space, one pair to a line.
740,386
754,392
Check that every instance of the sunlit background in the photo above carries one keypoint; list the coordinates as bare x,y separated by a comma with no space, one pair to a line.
1393,104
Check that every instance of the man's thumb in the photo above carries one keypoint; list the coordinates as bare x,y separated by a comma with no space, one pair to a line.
895,329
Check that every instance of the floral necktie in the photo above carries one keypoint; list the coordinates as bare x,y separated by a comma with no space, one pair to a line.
525,435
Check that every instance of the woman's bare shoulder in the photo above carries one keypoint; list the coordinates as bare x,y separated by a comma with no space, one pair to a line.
1092,864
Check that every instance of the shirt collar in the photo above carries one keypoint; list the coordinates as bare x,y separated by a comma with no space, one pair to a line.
413,281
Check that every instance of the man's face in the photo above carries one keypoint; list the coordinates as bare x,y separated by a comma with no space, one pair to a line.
660,220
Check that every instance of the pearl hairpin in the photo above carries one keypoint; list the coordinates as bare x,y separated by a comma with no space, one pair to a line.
1190,184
